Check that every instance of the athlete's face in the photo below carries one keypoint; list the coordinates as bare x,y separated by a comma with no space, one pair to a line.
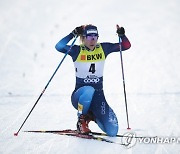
90,41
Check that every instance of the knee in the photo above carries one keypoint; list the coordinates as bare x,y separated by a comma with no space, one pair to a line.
112,127
112,131
88,93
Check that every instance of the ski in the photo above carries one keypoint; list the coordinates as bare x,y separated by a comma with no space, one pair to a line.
126,138
74,133
68,131
88,136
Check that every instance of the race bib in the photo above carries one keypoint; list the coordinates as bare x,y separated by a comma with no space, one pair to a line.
90,64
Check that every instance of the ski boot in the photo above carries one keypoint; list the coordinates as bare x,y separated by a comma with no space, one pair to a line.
82,124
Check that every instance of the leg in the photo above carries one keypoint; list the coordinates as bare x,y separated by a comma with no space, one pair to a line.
108,123
82,98
105,116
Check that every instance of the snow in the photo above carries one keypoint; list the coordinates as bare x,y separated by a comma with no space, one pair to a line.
29,31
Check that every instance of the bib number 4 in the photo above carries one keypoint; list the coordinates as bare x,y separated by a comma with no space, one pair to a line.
92,68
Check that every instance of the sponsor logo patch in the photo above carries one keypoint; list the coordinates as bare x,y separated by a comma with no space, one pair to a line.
83,57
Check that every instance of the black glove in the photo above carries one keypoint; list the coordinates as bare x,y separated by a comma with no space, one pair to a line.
120,31
78,31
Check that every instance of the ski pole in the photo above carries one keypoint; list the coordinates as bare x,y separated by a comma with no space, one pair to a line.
120,48
16,134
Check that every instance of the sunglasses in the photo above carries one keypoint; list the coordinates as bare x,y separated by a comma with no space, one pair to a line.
92,37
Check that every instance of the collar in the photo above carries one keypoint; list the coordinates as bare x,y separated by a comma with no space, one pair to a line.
85,47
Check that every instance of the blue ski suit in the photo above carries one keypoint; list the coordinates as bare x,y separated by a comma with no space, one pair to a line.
88,95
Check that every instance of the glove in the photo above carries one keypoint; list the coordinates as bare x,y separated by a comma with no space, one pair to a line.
120,31
78,31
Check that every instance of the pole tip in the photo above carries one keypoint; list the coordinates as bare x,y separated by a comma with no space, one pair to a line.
15,134
129,128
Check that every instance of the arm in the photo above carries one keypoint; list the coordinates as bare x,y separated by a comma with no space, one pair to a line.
62,46
114,47
125,42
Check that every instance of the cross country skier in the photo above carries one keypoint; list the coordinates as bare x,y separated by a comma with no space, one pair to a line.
88,97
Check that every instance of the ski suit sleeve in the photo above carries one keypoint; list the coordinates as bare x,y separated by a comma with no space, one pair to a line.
62,46
114,47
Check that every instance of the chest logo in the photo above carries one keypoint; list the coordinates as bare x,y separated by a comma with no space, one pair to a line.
92,57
